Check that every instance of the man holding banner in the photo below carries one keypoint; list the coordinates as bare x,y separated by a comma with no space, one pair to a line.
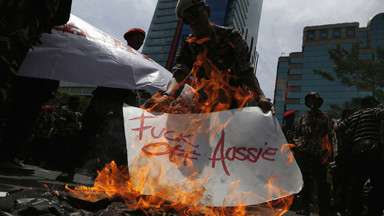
212,53
103,130
200,143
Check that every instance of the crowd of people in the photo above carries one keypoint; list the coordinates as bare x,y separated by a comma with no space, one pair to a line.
343,154
102,122
211,54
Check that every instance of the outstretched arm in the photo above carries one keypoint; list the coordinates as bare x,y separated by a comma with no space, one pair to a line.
245,71
263,102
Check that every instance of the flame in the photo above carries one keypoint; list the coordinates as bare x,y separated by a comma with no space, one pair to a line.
185,198
325,146
288,147
211,93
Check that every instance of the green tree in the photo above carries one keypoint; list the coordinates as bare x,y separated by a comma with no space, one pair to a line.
336,110
352,70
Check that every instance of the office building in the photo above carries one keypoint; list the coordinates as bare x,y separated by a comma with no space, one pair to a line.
296,78
166,31
76,88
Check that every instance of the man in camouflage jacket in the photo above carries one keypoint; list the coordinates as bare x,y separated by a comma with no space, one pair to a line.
315,137
211,55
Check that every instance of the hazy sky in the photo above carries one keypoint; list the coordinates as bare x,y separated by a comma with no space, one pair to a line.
281,26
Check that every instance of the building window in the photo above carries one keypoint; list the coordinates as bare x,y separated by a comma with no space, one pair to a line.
292,101
294,77
294,88
351,32
324,34
295,65
337,33
310,35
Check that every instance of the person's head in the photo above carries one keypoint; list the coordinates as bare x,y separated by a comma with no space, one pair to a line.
369,102
289,117
135,37
195,14
313,100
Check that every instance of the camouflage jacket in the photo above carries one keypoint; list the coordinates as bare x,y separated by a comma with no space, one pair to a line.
67,122
226,49
45,122
21,25
289,133
315,134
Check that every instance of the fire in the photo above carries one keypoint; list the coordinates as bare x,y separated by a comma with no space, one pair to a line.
325,146
210,93
185,198
288,147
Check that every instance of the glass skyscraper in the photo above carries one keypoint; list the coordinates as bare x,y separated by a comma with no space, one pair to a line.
296,78
166,31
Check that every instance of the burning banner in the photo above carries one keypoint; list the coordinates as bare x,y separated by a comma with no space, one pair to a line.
227,158
78,52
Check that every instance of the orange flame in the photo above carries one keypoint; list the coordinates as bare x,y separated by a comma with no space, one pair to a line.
288,147
114,182
211,94
325,145
213,91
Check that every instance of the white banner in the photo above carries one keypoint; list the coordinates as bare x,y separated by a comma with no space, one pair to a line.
80,53
229,158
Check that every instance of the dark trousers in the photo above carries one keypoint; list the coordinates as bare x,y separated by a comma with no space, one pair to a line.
313,170
340,177
102,135
366,165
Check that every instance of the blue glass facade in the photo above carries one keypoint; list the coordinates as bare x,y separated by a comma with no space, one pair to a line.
295,75
160,36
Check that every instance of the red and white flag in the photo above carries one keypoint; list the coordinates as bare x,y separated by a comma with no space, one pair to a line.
80,53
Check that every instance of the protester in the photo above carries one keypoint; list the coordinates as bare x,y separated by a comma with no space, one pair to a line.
366,159
102,137
27,95
54,136
41,138
289,130
135,38
226,49
21,25
66,128
315,138
340,169
289,126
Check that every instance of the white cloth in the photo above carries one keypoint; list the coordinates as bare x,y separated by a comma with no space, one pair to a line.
80,53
